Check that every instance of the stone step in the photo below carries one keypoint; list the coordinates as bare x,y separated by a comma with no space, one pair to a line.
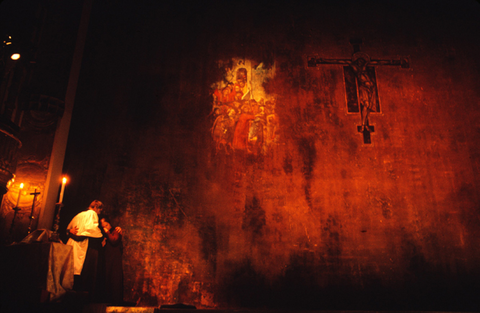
122,309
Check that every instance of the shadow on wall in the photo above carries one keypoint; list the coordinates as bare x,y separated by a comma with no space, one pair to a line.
298,288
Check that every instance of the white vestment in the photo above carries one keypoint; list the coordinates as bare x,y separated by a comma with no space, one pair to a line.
87,223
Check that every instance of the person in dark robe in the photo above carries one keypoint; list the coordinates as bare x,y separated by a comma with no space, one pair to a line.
113,267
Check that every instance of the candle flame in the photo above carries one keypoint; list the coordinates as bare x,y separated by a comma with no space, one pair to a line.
21,186
64,180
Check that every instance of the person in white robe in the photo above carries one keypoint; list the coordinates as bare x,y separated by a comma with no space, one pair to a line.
84,233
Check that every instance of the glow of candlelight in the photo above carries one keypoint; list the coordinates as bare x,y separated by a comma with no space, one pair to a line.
19,194
64,181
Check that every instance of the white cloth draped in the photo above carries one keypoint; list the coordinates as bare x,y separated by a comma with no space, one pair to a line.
87,223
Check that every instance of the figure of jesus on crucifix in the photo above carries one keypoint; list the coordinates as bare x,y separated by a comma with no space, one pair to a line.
361,67
366,86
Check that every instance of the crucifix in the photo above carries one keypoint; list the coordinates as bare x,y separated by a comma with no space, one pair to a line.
34,194
361,83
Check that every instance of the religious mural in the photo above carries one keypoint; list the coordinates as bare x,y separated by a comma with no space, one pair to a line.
244,114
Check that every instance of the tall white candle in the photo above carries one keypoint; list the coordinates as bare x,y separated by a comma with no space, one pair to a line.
64,181
19,194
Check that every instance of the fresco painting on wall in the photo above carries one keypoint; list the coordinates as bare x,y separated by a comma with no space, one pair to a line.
244,114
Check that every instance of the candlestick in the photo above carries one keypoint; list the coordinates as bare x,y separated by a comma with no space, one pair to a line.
19,194
64,181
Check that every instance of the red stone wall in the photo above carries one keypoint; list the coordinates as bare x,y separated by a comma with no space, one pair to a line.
321,221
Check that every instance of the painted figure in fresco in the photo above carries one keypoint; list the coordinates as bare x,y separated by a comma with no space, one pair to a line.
237,89
237,104
86,239
241,75
228,94
241,80
257,130
240,136
232,116
238,96
219,129
272,127
113,271
217,97
223,127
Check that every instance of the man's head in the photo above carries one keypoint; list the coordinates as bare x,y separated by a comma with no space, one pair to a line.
96,206
360,58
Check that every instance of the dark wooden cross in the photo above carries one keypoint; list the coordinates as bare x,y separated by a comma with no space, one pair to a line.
10,233
361,84
34,194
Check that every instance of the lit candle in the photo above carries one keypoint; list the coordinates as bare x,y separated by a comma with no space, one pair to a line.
19,194
64,181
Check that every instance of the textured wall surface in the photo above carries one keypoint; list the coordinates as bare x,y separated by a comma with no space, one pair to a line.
320,220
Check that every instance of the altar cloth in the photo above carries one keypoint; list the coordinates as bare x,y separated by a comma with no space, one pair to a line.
35,268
